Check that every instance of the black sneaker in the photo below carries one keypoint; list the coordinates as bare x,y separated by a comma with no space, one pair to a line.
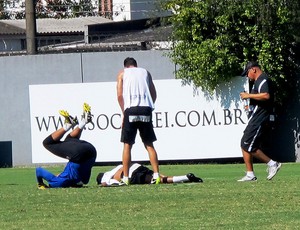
193,178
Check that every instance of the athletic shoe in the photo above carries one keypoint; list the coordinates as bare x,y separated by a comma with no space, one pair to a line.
78,185
124,182
42,186
155,181
193,178
272,170
248,178
87,116
68,118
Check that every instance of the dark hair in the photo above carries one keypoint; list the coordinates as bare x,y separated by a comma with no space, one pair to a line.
129,61
99,178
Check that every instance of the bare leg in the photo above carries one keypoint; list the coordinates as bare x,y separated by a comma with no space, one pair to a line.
261,156
126,158
153,157
248,159
58,134
76,132
166,179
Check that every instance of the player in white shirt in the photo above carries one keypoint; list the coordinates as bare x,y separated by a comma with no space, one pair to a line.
139,174
136,96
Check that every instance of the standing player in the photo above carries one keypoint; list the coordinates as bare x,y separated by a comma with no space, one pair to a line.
261,104
136,96
81,154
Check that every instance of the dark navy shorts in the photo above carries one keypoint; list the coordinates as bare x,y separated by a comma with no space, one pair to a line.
253,136
142,175
138,118
71,148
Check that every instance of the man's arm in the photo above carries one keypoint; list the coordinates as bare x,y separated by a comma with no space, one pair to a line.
258,96
152,88
120,90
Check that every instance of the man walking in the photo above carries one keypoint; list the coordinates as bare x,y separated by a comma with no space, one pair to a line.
261,103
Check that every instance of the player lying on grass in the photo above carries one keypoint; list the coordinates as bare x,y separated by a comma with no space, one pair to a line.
81,154
139,174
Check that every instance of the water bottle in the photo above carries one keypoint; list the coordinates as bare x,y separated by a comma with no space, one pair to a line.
246,104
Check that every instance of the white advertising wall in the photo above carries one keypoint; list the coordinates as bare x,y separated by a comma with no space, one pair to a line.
188,123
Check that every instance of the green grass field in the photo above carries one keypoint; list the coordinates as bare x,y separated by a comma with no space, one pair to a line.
219,203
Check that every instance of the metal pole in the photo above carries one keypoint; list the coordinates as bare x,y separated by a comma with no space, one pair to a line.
30,27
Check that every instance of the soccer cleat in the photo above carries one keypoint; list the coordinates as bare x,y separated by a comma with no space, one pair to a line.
193,178
155,181
86,107
87,116
248,178
42,186
77,185
68,118
124,182
272,170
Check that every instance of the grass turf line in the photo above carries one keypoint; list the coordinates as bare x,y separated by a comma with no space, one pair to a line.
219,203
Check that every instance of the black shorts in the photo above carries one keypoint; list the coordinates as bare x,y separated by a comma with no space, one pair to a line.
253,136
143,123
140,175
71,148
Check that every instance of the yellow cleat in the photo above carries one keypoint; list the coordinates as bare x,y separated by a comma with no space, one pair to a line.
155,181
87,116
86,108
68,118
64,113
42,186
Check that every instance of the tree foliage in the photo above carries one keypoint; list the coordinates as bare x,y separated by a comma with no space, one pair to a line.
47,9
7,12
3,14
214,39
63,8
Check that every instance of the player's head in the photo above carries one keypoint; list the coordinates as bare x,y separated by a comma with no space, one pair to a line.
129,61
99,178
248,67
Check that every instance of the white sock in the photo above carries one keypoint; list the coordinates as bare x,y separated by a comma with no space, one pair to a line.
82,123
155,175
250,174
271,163
179,179
67,126
125,179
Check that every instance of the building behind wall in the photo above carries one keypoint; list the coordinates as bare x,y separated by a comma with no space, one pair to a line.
124,10
106,8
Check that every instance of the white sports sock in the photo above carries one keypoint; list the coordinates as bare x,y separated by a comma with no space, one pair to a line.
250,174
155,175
125,179
67,126
271,163
82,123
179,179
